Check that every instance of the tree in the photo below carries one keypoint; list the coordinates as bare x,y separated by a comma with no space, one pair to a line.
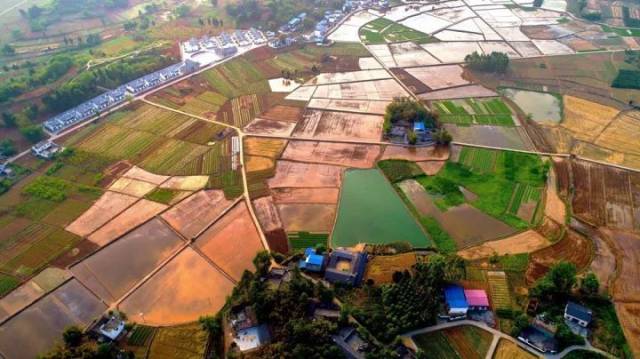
34,12
211,324
412,137
182,10
442,136
494,62
520,321
566,337
409,111
557,283
7,147
9,119
8,50
32,133
590,284
262,262
72,336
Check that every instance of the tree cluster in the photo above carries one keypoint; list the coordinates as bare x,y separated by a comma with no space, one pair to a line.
407,110
497,62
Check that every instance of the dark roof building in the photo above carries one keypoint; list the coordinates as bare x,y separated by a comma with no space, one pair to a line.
346,267
538,339
312,261
578,314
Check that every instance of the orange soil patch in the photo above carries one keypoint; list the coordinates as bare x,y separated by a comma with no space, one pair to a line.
431,168
305,175
259,163
554,206
306,195
415,154
232,242
142,175
307,217
191,216
267,214
572,248
114,172
339,126
183,290
270,127
134,216
506,349
359,156
278,241
525,242
109,205
629,317
381,268
283,113
265,147
186,183
627,285
132,187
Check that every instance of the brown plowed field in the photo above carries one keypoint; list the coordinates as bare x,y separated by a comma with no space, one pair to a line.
267,214
105,208
283,113
270,127
278,241
525,242
606,195
358,156
185,289
138,173
627,285
114,270
415,154
339,126
195,213
264,147
306,195
134,216
572,248
562,169
629,317
232,242
307,217
305,175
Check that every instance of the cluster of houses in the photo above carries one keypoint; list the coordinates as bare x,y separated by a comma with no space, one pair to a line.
353,5
460,301
45,149
110,99
338,266
225,44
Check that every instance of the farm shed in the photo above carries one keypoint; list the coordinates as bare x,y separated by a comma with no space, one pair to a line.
456,302
577,313
477,299
312,262
346,266
252,338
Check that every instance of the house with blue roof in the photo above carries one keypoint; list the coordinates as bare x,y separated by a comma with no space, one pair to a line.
457,305
312,261
346,267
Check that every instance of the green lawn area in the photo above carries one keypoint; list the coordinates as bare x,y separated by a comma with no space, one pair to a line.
303,240
381,31
492,176
621,32
162,195
370,211
7,284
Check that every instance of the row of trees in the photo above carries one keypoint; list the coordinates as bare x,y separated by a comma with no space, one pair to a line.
497,62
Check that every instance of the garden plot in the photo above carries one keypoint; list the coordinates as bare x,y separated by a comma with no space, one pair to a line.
307,217
408,54
305,175
357,106
302,93
453,14
360,156
186,183
489,33
414,154
512,34
114,270
439,77
269,127
139,174
458,92
500,18
382,53
525,242
282,85
368,63
182,291
498,46
132,217
107,207
353,76
552,47
401,12
452,52
496,136
339,126
267,214
426,23
450,35
468,25
306,195
132,187
35,330
191,216
526,49
368,90
349,30
232,242
471,111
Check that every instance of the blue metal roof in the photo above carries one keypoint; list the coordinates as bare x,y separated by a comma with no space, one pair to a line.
418,126
315,259
454,296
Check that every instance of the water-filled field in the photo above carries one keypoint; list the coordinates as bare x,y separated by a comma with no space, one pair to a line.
541,106
371,212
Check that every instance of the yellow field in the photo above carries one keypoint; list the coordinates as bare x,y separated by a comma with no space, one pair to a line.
259,163
186,342
508,350
499,288
586,119
622,134
381,268
264,147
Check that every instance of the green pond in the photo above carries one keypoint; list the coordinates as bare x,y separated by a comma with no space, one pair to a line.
370,211
541,106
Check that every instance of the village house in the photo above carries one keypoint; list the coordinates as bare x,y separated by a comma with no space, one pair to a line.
45,149
110,328
457,306
578,314
248,335
477,299
346,267
312,262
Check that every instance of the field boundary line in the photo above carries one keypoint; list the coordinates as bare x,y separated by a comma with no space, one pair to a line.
212,263
9,317
215,220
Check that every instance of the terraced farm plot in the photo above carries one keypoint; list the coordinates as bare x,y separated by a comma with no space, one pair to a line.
241,110
310,217
305,175
339,126
499,289
439,77
195,213
572,248
147,118
283,113
457,342
236,78
303,240
472,111
107,207
359,156
479,160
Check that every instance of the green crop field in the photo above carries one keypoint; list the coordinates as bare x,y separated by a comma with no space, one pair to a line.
140,335
7,284
303,240
436,344
472,111
376,219
382,31
524,194
479,159
236,78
